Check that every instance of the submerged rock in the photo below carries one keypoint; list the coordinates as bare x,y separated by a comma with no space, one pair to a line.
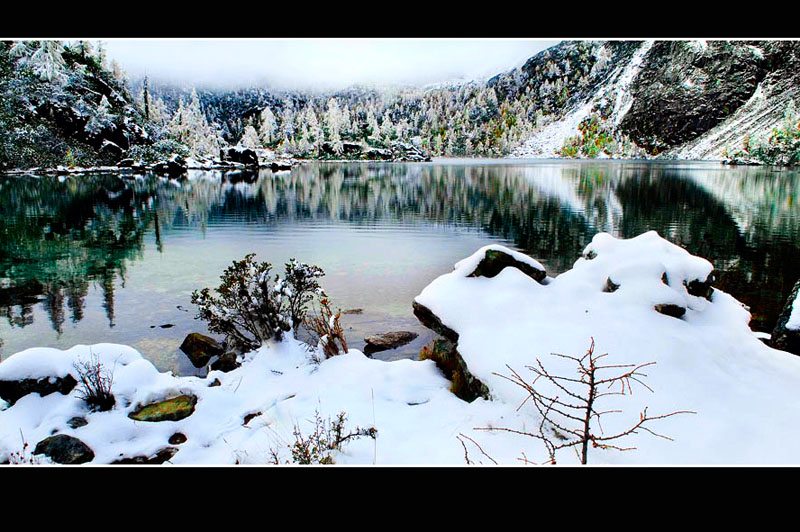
786,335
12,391
390,340
64,449
173,409
200,349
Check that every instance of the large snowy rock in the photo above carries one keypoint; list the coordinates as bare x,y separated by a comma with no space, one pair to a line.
708,361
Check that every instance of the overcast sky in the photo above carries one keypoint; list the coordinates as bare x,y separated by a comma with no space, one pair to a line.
320,63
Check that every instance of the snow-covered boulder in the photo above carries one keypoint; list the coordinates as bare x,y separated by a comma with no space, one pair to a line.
708,361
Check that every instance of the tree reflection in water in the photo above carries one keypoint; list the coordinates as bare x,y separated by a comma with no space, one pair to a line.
61,236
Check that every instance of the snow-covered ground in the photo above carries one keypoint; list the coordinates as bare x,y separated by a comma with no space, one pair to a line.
548,141
708,361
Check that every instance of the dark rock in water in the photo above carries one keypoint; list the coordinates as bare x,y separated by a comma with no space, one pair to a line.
11,391
160,457
353,311
238,154
430,320
173,409
200,349
64,449
668,309
226,362
125,163
495,261
390,340
783,338
167,325
464,385
177,438
77,422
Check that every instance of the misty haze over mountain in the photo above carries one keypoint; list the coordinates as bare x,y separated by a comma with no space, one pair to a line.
325,64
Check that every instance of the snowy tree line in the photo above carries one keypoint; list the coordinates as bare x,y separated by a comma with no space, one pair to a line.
469,120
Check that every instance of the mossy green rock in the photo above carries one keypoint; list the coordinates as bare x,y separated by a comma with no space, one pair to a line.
172,409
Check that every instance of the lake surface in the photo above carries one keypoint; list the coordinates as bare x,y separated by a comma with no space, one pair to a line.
110,258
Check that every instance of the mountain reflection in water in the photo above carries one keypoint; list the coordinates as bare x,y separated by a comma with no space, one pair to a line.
74,248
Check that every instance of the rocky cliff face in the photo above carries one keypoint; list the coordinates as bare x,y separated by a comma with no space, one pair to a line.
686,99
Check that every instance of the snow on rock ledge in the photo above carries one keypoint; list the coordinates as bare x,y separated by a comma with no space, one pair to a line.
708,361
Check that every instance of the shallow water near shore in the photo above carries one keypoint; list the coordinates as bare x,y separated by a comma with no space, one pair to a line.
109,258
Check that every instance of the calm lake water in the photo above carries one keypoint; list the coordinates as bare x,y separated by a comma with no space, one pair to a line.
110,258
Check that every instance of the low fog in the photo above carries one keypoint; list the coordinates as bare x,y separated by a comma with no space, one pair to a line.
321,64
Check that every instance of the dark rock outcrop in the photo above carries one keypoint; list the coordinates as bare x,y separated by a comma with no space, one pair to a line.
495,261
682,91
11,391
464,385
63,449
430,320
238,154
200,349
175,167
783,338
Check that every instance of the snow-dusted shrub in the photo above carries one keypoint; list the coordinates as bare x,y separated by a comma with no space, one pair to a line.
301,285
326,438
95,384
780,147
252,307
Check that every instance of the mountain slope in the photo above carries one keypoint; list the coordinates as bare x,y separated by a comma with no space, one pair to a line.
686,99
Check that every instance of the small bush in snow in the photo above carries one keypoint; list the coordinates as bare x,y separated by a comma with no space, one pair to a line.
327,437
95,384
252,307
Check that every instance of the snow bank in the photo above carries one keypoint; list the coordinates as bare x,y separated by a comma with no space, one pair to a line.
709,361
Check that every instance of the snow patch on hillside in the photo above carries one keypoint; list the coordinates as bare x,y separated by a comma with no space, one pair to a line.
548,141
